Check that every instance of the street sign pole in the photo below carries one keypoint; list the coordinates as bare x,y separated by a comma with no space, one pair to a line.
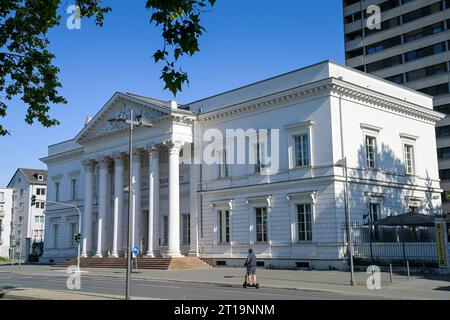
130,180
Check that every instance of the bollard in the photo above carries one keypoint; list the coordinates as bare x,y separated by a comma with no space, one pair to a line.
407,269
390,272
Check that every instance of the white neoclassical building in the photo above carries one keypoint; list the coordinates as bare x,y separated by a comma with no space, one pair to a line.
287,203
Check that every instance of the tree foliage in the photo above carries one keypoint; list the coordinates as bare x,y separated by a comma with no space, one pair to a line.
181,28
26,64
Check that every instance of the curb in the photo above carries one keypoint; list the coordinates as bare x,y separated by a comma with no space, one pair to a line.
15,296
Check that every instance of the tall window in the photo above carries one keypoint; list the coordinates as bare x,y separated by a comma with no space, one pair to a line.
55,236
56,191
223,166
371,147
186,229
304,226
2,197
224,226
261,224
2,208
73,189
409,158
301,150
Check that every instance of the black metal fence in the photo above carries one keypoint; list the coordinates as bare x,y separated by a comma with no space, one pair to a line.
394,245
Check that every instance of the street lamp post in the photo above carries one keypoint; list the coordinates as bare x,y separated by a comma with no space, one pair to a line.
139,121
343,163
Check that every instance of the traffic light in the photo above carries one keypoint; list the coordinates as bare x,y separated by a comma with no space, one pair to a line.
77,237
33,200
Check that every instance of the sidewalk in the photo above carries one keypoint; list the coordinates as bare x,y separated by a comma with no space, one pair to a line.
417,287
43,294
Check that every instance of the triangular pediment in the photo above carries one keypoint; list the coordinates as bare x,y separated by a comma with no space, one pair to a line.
119,106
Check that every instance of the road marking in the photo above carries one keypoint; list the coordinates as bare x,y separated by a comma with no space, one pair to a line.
155,285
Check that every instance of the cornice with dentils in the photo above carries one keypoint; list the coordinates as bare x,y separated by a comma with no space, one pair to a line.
330,86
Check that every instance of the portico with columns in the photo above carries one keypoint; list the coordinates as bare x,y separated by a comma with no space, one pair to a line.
160,188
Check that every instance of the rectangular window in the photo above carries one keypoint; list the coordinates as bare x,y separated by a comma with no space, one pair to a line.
424,32
398,79
422,12
443,131
55,235
444,108
302,150
385,25
186,229
304,223
354,53
436,90
74,189
371,149
2,197
40,191
425,52
224,226
56,191
383,45
409,158
40,205
444,153
223,166
2,208
426,72
261,224
385,63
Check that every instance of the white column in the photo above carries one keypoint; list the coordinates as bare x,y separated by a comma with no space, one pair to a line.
193,185
88,202
102,205
153,202
174,199
137,212
118,203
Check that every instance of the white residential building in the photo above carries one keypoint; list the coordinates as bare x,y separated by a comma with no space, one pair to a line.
290,213
27,221
5,221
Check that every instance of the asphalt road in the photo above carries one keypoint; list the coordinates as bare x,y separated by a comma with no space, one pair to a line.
164,289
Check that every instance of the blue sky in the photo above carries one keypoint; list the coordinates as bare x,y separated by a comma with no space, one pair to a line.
246,41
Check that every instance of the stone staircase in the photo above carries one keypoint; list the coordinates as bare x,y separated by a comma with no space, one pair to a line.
157,263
